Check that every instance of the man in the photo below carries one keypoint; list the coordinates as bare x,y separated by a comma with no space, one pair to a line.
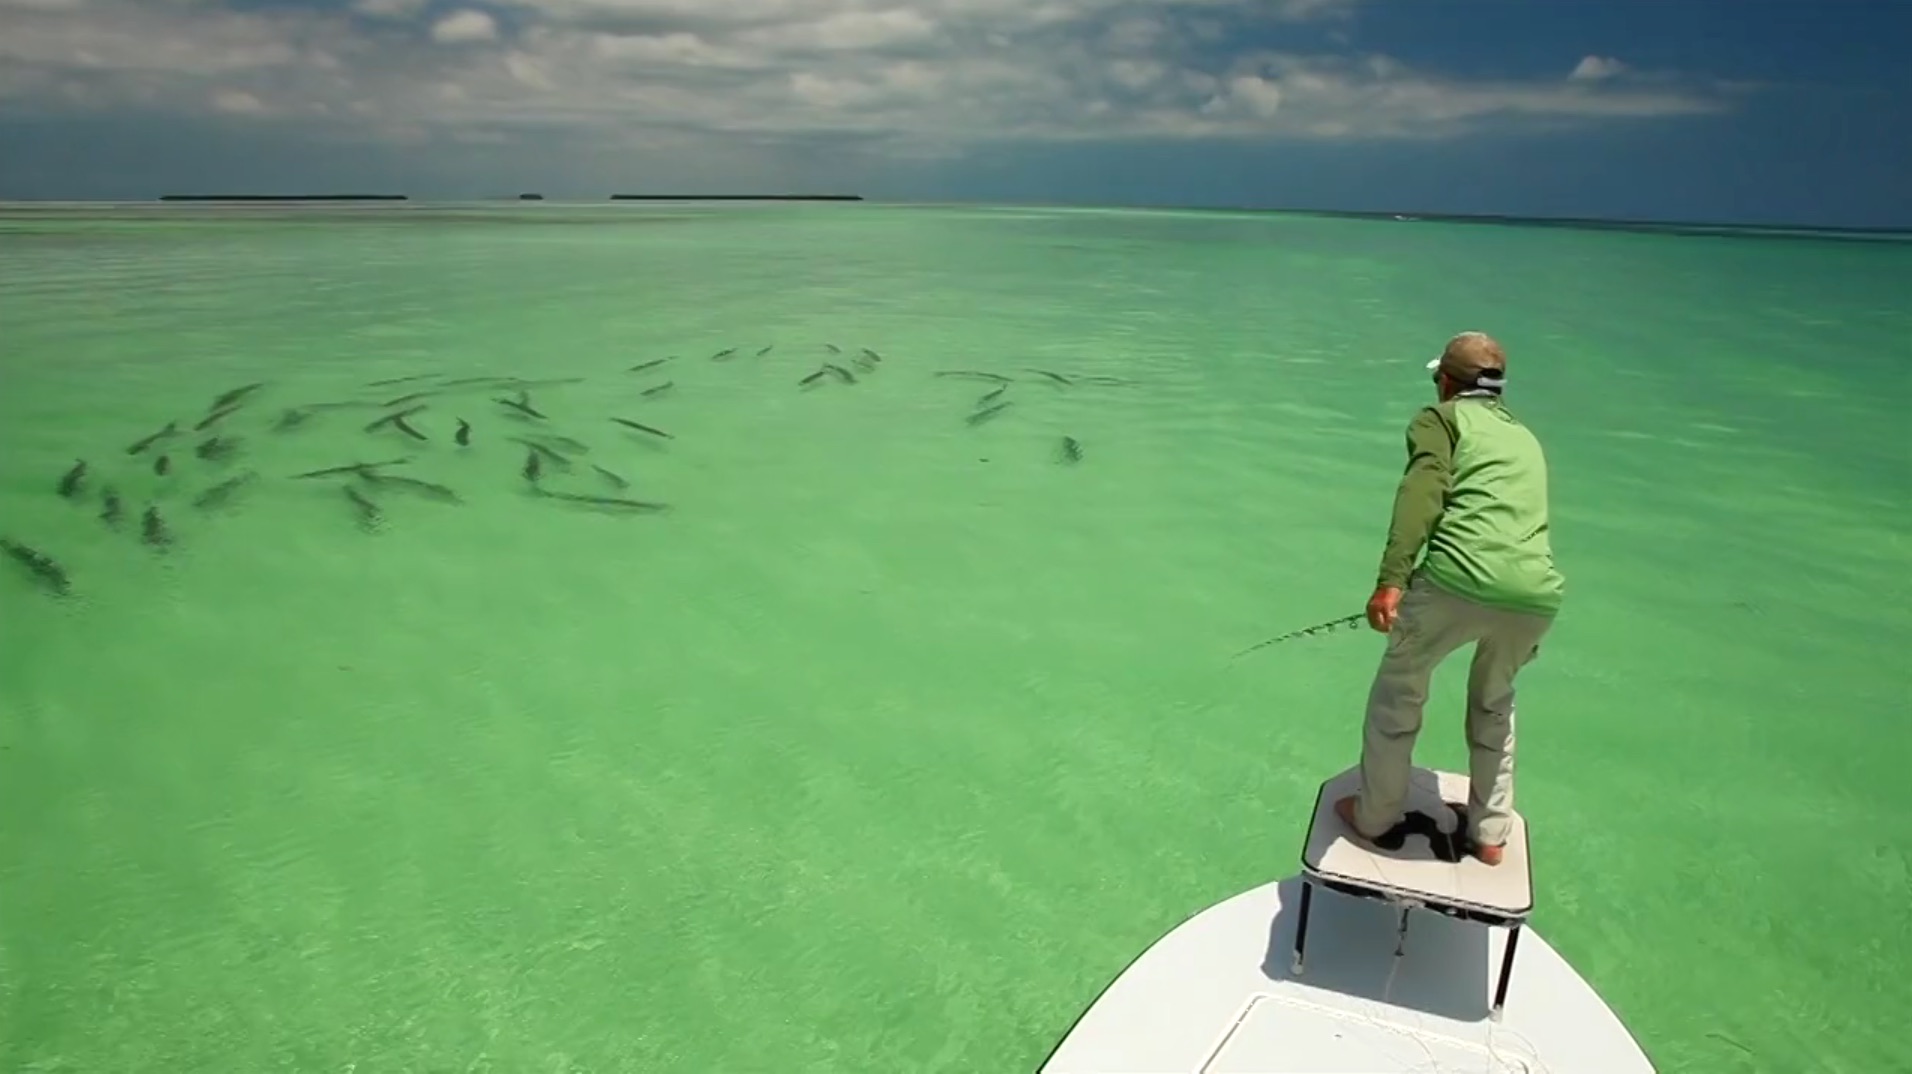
1475,493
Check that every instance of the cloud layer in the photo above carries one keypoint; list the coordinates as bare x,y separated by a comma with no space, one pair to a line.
919,77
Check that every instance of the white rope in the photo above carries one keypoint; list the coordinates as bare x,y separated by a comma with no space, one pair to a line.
1512,1064
1369,1016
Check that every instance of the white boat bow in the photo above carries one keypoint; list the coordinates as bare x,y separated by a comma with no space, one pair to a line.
1404,955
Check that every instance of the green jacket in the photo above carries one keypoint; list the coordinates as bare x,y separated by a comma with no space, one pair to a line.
1475,494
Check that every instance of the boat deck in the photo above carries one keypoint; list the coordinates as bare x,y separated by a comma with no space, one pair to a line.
1419,871
1380,987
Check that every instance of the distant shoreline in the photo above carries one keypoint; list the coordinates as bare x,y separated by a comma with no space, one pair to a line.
284,197
1696,227
736,197
1592,223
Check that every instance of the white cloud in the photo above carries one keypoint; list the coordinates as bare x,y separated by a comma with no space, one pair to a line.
391,9
848,31
463,27
526,69
913,76
1261,97
238,103
1595,68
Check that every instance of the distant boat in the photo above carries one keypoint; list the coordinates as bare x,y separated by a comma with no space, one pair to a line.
1230,989
531,197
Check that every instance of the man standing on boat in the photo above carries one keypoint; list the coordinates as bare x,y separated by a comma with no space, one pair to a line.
1475,494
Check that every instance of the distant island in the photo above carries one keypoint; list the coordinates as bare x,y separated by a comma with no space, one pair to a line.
531,197
736,197
282,197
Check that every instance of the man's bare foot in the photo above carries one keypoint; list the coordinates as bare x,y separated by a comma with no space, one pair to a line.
1344,808
1489,855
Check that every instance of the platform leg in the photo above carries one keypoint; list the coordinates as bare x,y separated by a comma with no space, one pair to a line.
1506,972
1301,924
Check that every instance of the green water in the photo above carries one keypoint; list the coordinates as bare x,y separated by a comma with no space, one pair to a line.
894,737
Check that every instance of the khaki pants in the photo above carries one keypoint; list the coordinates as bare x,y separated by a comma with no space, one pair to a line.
1432,624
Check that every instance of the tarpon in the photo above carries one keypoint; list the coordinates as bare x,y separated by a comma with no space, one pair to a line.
234,397
50,574
557,459
987,413
206,422
640,427
153,529
217,448
609,501
520,406
399,416
424,488
70,484
217,495
171,428
368,512
353,468
564,442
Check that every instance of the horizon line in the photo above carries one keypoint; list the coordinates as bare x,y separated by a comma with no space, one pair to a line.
1406,215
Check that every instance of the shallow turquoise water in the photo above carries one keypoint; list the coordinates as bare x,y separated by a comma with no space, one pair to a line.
895,737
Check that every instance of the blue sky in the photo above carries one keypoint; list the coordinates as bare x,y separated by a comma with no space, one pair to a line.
1766,111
